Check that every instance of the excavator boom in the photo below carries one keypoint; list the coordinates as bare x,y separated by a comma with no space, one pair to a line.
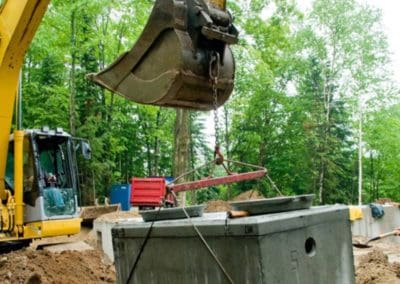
19,20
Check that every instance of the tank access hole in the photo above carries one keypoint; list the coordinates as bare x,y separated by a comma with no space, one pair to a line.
310,247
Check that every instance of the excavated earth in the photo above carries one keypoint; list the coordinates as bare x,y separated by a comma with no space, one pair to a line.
375,268
76,259
222,205
379,264
30,266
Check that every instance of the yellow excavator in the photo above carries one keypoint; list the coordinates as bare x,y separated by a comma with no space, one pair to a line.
182,59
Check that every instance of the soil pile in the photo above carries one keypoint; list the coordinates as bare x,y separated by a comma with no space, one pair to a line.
93,212
217,206
29,266
221,205
248,195
119,215
374,268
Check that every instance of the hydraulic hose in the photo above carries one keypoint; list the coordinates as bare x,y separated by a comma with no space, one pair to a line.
9,221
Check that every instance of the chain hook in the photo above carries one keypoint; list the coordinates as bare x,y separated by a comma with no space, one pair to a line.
218,157
214,67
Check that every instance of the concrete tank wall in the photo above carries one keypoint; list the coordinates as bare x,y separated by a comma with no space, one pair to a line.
304,246
102,230
370,227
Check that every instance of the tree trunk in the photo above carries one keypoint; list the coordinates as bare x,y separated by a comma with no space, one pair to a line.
227,138
321,184
181,148
360,153
156,146
149,162
228,147
192,154
372,176
72,80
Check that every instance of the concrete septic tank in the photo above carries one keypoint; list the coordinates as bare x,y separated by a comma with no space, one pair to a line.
304,246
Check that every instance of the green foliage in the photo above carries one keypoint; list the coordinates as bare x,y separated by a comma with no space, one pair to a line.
300,79
382,177
296,92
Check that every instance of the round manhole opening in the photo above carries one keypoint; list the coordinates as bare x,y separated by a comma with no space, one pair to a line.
310,247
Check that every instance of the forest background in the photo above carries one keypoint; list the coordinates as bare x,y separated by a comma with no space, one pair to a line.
315,101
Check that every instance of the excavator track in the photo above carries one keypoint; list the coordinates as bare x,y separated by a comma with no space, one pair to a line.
7,247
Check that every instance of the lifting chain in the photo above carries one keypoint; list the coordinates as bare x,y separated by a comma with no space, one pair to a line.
214,74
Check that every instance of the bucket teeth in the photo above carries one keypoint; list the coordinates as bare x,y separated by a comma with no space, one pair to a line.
169,64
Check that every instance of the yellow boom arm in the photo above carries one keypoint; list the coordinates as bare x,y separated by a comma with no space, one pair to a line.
19,20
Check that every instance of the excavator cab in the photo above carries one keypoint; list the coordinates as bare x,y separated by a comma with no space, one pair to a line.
49,185
182,59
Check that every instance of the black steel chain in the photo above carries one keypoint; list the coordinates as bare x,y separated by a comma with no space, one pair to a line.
214,75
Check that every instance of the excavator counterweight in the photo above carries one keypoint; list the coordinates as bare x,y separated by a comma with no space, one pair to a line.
171,62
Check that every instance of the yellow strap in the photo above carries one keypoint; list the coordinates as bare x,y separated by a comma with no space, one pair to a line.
355,213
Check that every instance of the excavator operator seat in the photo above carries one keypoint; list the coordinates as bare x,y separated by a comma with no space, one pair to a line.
170,63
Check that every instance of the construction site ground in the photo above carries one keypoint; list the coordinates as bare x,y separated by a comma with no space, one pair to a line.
77,259
379,263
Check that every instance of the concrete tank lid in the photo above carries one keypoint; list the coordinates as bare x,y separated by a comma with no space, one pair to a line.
217,224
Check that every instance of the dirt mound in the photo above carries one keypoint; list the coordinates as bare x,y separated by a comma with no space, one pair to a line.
221,205
374,268
387,201
248,195
119,215
89,213
217,206
29,266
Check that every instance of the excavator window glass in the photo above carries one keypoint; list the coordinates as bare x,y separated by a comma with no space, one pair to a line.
9,179
56,176
30,188
31,191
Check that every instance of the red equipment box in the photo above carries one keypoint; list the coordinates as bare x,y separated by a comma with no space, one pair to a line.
148,192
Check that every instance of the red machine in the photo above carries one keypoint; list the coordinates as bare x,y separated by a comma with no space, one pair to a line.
154,192
150,193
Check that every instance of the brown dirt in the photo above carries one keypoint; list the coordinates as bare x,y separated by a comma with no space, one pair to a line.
248,195
29,266
119,215
221,205
217,206
374,268
387,201
93,212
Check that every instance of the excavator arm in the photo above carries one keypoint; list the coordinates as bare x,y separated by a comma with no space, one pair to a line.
19,20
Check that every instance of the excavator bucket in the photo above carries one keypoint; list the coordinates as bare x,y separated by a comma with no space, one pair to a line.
171,63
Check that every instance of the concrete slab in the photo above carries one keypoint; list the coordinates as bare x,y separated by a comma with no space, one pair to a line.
367,227
172,213
370,227
102,229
